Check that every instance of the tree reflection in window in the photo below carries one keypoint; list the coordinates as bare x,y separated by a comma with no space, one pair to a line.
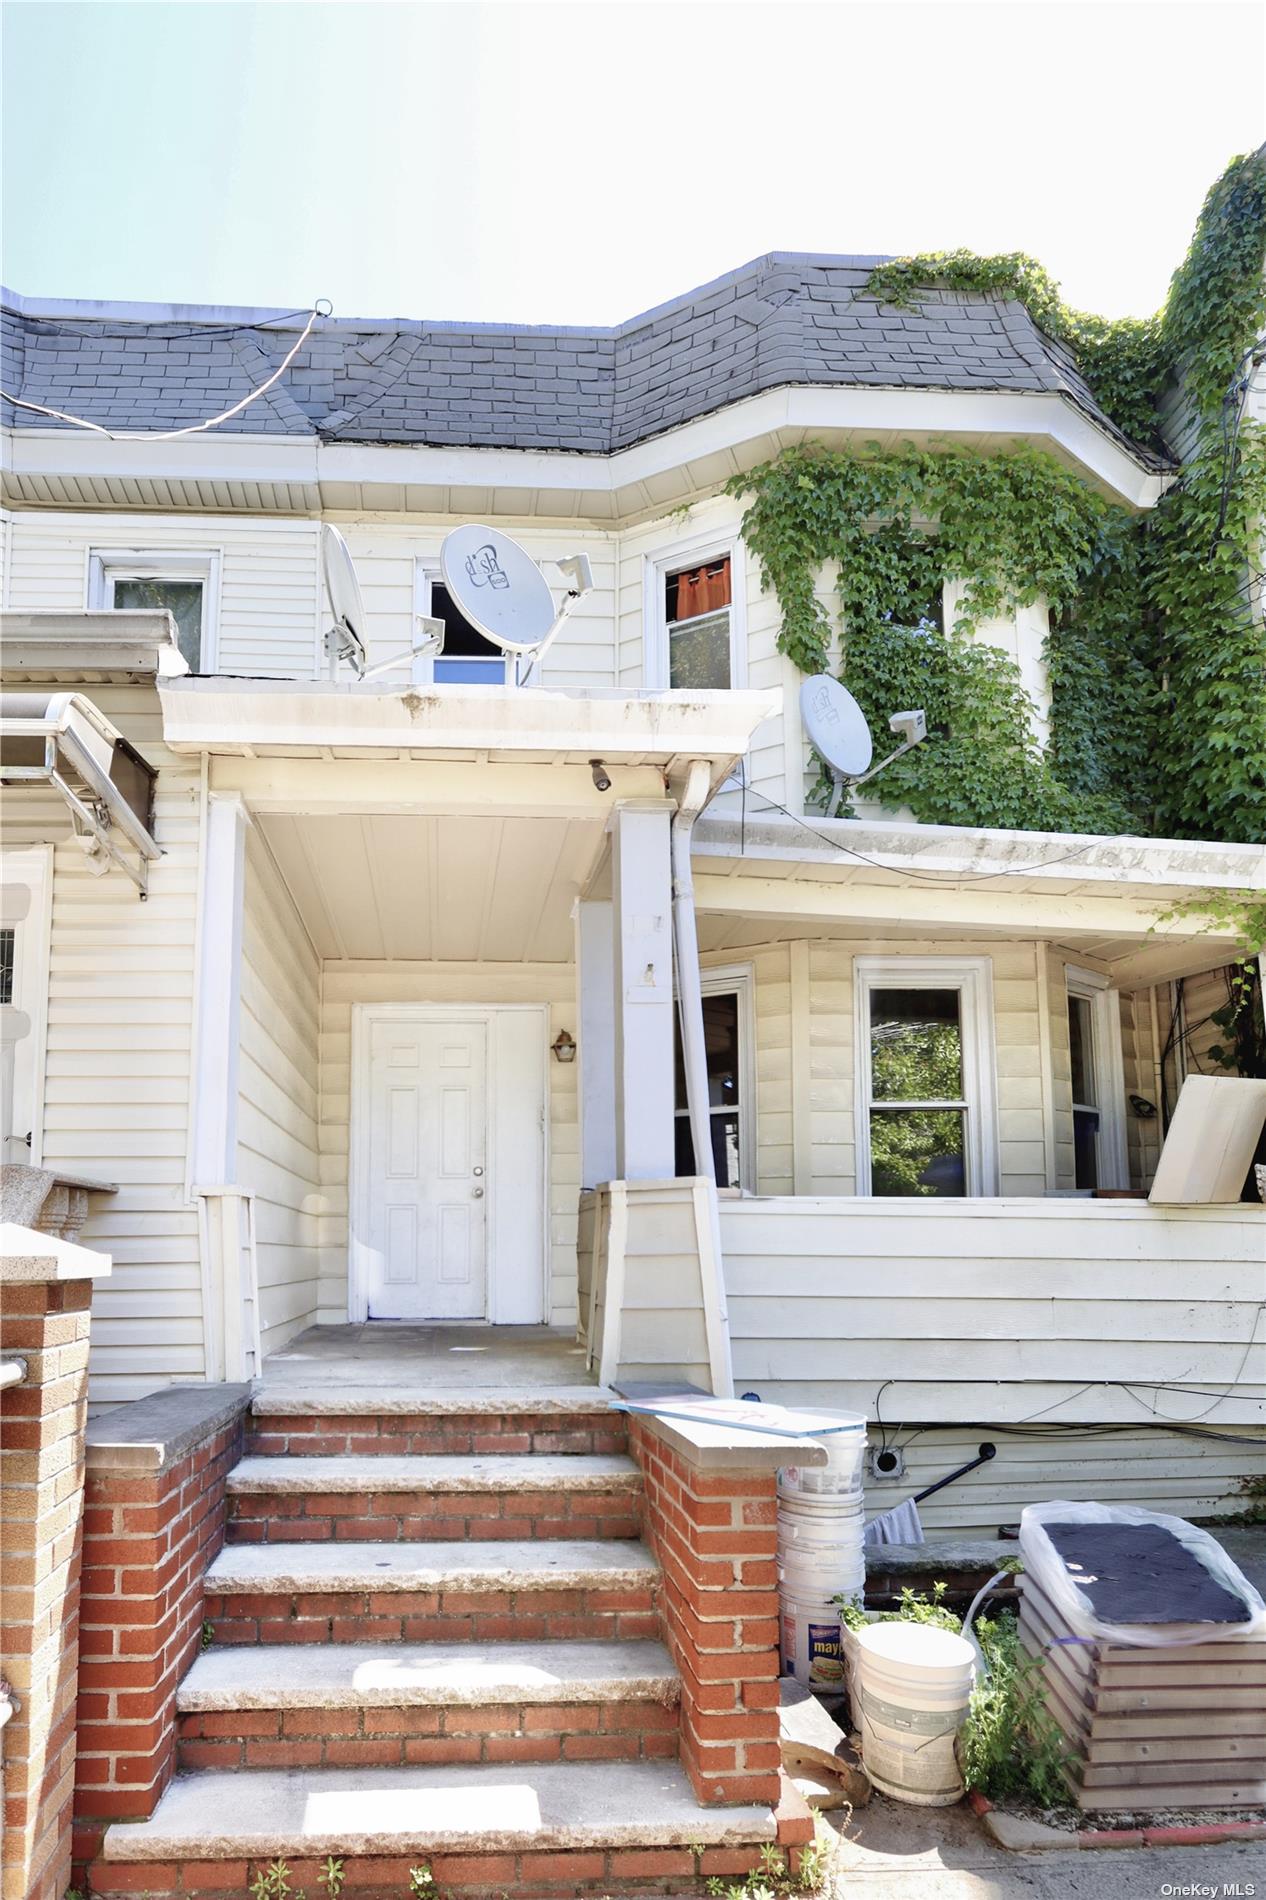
918,1109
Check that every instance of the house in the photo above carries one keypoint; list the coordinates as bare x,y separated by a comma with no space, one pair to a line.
386,1030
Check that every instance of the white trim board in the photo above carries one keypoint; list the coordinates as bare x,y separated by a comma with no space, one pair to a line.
517,1045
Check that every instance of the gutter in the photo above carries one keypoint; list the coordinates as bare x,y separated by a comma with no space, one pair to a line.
694,796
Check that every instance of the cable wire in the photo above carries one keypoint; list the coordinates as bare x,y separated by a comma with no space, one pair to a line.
194,428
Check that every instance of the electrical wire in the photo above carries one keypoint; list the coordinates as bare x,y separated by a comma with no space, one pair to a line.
194,428
926,877
92,330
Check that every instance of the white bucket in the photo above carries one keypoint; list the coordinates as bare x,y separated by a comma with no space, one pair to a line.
845,1446
812,1650
821,1552
910,1685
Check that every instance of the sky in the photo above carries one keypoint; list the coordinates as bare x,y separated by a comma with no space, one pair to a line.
580,163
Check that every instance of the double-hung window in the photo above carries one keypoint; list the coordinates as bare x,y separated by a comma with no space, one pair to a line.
926,1115
727,1039
183,583
469,658
1097,1077
695,630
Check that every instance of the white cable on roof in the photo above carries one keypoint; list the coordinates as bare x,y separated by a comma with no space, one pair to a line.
194,428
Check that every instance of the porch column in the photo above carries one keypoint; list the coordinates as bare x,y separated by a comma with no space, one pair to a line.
595,980
642,988
228,1318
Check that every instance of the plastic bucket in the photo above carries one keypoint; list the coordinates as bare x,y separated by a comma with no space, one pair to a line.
910,1686
812,1649
843,1438
820,1547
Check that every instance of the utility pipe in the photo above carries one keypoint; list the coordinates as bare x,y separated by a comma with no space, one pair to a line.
695,795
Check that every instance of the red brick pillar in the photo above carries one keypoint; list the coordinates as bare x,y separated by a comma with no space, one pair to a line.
154,1519
711,1521
45,1296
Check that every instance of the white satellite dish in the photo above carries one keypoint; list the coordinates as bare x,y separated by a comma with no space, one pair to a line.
838,732
499,589
836,726
346,638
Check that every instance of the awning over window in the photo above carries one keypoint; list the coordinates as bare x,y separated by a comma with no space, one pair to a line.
64,741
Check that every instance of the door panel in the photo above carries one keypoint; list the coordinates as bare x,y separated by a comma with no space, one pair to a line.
428,1111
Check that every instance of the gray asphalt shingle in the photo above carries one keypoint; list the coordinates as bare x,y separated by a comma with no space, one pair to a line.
783,319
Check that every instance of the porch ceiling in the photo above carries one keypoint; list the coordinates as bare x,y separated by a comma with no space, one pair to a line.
380,887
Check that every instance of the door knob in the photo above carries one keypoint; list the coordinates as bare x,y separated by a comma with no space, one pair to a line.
477,1193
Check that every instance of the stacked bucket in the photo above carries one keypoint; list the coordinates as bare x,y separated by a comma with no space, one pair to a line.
820,1551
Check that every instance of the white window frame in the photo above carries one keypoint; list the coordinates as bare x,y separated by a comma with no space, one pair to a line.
694,551
108,565
972,977
1109,1066
738,979
426,575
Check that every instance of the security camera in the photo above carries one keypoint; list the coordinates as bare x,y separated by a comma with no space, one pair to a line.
910,727
578,570
601,777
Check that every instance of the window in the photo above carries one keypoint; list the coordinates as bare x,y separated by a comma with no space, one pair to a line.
1097,1079
925,1082
468,658
182,583
697,616
727,1040
694,627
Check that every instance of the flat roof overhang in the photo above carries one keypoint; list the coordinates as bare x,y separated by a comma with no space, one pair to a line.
1104,897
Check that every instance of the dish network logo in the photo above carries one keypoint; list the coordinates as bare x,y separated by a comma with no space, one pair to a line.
483,569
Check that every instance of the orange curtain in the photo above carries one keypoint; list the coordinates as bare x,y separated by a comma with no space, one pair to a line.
703,590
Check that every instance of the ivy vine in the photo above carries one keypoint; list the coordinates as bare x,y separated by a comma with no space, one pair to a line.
1156,654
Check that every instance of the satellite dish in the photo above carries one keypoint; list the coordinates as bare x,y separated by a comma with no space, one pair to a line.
836,726
499,588
838,732
341,585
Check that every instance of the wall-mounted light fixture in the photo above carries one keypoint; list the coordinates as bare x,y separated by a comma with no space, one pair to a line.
564,1047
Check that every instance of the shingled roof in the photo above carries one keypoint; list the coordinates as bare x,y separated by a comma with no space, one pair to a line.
783,319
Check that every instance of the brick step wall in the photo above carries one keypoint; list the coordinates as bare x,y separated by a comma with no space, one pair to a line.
444,1615
397,1738
460,1498
420,1434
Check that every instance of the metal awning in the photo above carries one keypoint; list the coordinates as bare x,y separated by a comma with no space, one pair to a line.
63,740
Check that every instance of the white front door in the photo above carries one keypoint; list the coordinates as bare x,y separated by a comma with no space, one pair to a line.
426,1183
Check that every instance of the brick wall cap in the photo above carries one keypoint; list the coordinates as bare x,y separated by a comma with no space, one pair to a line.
709,1447
151,1434
27,1257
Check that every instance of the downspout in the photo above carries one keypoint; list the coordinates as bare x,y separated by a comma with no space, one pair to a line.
695,795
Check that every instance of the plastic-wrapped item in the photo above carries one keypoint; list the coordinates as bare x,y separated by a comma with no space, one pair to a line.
1235,1611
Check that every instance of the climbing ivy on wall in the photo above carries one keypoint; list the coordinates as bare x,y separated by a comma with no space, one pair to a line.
1156,654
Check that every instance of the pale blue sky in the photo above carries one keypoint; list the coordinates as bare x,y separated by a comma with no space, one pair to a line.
578,163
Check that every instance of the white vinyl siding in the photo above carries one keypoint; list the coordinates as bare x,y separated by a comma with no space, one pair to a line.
117,1079
269,589
277,1148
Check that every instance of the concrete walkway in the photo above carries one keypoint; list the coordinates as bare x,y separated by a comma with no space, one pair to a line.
891,1852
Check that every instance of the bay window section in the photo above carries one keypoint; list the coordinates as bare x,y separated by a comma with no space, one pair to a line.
925,1097
726,1035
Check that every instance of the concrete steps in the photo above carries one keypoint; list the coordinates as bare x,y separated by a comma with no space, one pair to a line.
558,1828
285,1499
504,1591
336,1705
